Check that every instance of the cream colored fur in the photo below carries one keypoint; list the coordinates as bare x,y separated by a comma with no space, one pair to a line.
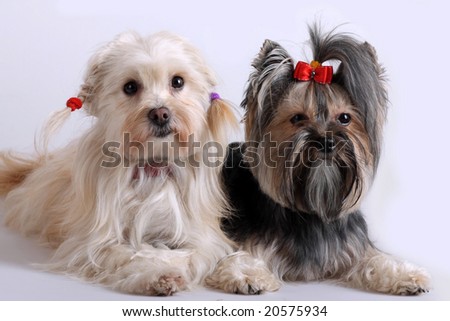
117,225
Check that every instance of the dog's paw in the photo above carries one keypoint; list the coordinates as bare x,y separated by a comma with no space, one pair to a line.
241,273
253,284
167,285
415,283
148,284
386,274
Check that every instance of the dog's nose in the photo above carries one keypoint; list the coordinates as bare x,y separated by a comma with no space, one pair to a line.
329,144
325,144
159,116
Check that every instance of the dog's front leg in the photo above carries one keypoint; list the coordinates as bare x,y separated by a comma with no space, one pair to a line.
148,271
242,273
380,272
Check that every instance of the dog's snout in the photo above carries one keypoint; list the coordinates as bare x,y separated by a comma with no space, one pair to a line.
325,144
329,143
159,116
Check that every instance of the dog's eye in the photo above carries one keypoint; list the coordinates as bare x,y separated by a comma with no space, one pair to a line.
298,118
344,119
130,88
177,82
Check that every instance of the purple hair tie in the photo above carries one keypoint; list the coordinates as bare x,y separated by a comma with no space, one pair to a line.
214,96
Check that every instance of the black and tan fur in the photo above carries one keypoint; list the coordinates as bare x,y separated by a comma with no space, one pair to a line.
311,154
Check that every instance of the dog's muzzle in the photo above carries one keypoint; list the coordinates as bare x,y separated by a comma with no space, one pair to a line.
160,117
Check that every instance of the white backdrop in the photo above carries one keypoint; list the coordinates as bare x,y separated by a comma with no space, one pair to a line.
44,46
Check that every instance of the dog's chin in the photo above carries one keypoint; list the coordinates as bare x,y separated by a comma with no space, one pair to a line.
157,162
326,186
160,151
161,132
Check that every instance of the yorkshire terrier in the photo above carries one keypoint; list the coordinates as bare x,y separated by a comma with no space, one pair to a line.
133,203
313,146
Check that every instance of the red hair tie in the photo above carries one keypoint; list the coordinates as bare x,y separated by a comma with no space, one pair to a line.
74,103
313,71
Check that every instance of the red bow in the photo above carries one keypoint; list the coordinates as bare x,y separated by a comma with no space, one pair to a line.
314,71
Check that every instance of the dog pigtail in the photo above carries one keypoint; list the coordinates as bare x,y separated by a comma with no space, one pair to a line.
359,74
85,96
221,118
55,122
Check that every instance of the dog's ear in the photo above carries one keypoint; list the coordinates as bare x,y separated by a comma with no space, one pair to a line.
266,85
99,65
359,74
222,122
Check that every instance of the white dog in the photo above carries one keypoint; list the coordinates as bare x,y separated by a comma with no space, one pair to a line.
136,202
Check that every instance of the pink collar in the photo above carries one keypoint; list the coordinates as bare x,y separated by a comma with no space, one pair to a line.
151,170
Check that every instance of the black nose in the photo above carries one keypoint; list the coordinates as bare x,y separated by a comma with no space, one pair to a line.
159,116
325,144
329,144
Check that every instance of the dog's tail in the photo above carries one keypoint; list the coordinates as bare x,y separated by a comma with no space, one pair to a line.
14,169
